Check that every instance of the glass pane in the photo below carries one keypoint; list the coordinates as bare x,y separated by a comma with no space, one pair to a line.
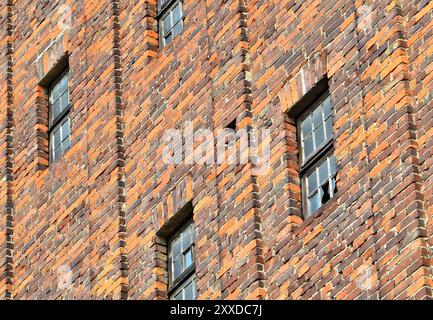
175,253
308,146
188,259
55,92
317,117
189,291
177,268
57,137
177,28
66,129
312,182
323,172
166,24
332,165
57,153
306,126
63,84
186,238
177,13
168,39
327,107
55,110
66,144
179,296
65,100
314,203
319,134
329,127
161,3
194,290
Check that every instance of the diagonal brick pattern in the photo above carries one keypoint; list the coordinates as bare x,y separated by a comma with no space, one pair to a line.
94,224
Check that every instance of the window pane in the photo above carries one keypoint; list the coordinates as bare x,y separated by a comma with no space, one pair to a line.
55,92
314,202
66,144
194,289
181,252
324,178
186,238
65,100
56,110
188,259
177,13
327,107
59,88
177,268
308,146
176,250
63,84
60,138
166,23
186,290
161,3
317,117
168,39
177,28
59,97
323,172
189,291
179,296
329,128
57,137
312,182
66,129
192,233
59,101
306,126
57,153
319,134
332,165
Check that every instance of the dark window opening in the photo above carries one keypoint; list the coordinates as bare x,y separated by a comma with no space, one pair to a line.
231,130
59,115
170,20
317,161
181,264
232,125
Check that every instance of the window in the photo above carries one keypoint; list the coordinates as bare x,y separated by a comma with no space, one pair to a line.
318,166
170,17
60,122
181,265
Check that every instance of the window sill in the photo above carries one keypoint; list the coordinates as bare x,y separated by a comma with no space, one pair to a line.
318,216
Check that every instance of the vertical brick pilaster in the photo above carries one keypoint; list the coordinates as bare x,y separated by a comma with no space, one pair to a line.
120,139
7,154
394,161
242,270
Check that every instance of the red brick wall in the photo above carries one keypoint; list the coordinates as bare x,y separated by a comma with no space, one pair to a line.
87,226
6,151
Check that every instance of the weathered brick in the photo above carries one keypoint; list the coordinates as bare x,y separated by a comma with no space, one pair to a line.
95,214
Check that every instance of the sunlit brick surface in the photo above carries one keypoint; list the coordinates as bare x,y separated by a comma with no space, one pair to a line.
85,227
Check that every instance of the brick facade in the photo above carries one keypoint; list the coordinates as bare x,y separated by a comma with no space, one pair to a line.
92,225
